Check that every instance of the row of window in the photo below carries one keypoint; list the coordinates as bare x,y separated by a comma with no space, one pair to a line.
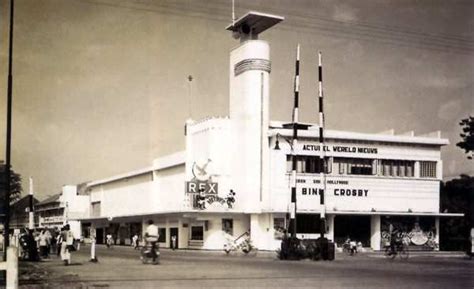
359,166
197,232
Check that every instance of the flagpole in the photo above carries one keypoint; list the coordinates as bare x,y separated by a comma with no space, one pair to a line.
9,137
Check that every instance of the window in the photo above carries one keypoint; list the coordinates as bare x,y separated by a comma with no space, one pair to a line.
307,164
162,235
279,228
228,226
197,233
397,168
353,166
428,169
95,209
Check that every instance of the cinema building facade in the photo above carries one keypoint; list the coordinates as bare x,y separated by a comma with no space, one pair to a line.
234,175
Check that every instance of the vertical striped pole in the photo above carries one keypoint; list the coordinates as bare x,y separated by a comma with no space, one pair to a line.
322,161
31,216
293,146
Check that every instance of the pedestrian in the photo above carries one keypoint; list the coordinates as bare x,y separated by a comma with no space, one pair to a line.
49,237
43,244
59,241
67,245
29,246
109,240
53,243
78,243
135,242
36,237
173,242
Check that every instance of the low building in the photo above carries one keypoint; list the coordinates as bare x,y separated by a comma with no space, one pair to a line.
63,208
19,213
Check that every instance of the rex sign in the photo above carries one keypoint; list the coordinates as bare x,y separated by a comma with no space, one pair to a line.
206,187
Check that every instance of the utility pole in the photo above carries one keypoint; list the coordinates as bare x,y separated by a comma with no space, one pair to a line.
9,137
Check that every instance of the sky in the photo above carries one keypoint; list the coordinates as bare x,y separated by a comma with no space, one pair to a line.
101,86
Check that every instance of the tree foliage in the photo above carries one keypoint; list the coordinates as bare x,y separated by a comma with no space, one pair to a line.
467,143
457,196
15,184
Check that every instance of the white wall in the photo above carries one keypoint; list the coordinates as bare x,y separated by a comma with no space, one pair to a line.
209,142
168,189
214,237
77,205
128,196
248,107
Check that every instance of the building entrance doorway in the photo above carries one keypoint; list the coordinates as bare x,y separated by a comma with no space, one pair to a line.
357,228
99,236
173,235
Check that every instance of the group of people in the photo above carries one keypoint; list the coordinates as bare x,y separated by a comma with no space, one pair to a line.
36,245
45,242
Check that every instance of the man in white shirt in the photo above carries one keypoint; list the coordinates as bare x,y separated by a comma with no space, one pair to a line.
151,236
152,232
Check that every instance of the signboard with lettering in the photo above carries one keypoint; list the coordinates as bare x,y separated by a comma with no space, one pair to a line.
195,187
341,149
202,190
333,188
363,194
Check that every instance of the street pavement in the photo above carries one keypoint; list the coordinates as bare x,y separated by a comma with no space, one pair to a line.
121,267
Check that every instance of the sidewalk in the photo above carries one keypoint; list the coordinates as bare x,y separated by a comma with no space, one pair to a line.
266,253
273,254
431,254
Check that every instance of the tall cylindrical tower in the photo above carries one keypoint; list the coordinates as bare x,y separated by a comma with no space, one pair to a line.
249,107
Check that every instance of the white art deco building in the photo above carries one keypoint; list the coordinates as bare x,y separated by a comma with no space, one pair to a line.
373,180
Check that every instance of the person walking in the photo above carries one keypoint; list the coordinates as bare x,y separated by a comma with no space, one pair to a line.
52,241
67,245
109,240
43,244
59,241
135,242
173,242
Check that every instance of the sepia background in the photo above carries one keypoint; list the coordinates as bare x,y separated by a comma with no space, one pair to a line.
101,87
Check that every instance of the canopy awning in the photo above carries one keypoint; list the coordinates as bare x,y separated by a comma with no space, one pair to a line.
382,213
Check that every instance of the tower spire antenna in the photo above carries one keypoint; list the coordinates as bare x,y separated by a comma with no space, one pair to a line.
233,12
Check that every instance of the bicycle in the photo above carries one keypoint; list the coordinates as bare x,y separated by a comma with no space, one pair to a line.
399,249
349,247
245,245
150,255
